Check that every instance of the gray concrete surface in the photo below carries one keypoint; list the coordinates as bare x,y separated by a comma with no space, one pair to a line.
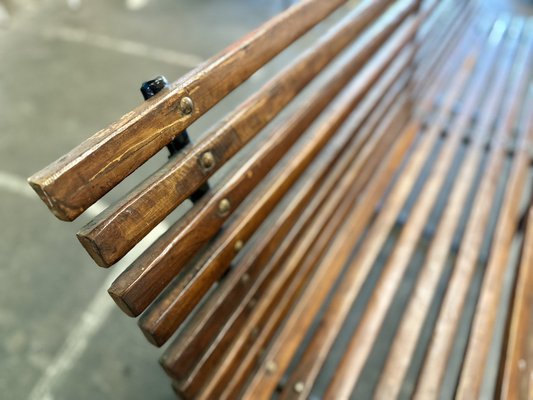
64,74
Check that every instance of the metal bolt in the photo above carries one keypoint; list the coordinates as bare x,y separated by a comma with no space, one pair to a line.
245,278
224,206
252,303
207,160
271,367
299,387
186,105
238,245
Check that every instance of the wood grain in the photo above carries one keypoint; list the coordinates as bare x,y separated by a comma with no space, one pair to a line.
280,238
265,380
138,286
75,181
134,216
518,363
410,328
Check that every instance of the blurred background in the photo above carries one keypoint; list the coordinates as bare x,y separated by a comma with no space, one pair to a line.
68,69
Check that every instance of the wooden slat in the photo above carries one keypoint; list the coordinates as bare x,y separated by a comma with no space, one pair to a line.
361,343
74,182
287,283
142,209
484,322
330,326
316,352
518,364
137,287
329,266
280,239
161,320
436,360
434,50
406,339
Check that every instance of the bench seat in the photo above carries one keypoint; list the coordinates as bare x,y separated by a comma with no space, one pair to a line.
367,244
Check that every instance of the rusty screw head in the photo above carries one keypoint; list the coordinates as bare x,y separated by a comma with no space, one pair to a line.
299,387
271,367
224,206
239,244
207,160
186,105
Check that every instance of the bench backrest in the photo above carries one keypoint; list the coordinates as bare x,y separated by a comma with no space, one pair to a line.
358,78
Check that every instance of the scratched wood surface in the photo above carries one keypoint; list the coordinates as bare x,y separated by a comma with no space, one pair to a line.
340,258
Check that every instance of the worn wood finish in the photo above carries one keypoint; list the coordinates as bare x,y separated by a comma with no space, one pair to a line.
147,205
411,325
390,279
279,240
293,273
315,354
518,363
165,314
378,195
487,307
74,182
138,286
265,258
440,346
328,268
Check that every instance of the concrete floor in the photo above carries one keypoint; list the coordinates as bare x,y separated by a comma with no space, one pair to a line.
63,76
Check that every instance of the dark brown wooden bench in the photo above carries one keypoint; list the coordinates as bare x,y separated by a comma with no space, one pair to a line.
363,245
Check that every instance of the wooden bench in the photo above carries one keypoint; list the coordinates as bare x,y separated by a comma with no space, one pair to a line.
365,244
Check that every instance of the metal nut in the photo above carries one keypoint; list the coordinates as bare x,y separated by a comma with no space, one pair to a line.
207,160
224,206
239,244
299,387
186,105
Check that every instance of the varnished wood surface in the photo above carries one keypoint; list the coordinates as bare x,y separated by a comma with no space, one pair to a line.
392,163
317,350
138,286
406,339
430,383
518,363
265,380
74,182
163,319
484,321
143,208
279,240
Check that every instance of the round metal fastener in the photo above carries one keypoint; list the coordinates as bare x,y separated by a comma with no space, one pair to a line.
186,105
239,244
245,278
207,160
299,387
224,206
271,367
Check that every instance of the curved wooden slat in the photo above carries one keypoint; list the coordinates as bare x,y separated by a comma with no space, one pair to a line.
518,363
361,342
168,312
315,354
138,286
447,323
329,266
142,209
74,182
277,242
484,322
406,339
